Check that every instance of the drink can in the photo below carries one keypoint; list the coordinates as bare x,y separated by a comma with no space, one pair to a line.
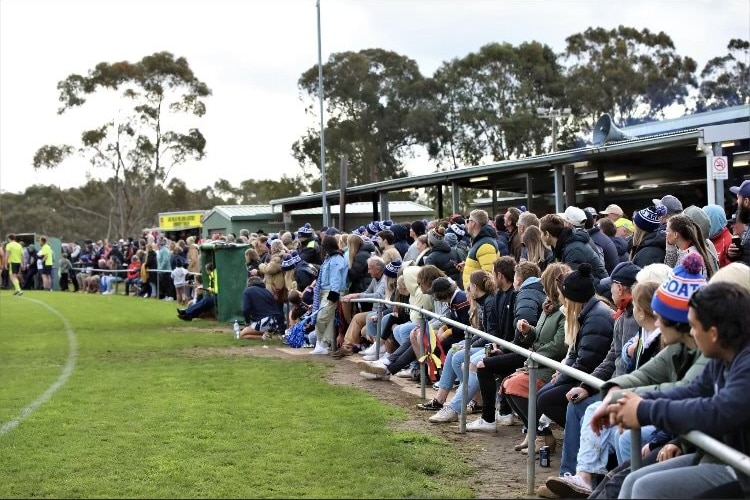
487,349
544,456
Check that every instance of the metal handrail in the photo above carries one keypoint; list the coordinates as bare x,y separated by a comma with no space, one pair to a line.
710,445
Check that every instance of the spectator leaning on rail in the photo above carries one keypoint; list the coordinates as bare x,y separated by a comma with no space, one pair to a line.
328,287
715,403
483,252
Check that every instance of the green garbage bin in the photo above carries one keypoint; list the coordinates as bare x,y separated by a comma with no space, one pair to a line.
231,273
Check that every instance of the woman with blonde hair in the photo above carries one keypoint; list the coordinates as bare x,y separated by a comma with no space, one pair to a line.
273,276
534,249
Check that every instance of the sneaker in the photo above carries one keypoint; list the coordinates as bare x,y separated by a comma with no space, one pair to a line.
480,425
320,349
376,376
569,486
370,351
405,373
266,336
18,293
342,352
433,405
446,414
509,419
374,368
474,407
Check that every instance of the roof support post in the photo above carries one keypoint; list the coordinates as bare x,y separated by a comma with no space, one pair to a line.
456,201
384,208
559,189
529,191
570,186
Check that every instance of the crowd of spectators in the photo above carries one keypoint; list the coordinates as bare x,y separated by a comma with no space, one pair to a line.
656,303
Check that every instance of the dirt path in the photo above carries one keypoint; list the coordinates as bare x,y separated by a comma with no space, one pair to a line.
499,471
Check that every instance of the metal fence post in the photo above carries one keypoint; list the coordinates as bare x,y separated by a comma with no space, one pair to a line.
531,428
635,449
465,381
423,365
377,328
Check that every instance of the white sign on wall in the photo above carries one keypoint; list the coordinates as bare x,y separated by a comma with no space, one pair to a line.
719,167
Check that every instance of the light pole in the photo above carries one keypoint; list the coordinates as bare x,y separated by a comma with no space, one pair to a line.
322,126
553,114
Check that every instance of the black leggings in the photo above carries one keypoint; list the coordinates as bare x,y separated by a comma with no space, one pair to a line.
496,367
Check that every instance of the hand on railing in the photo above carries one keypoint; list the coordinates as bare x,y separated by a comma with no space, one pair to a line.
624,411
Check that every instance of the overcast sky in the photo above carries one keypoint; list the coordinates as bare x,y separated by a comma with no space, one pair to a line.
252,52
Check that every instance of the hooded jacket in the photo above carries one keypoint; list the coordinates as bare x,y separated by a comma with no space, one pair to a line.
258,303
482,254
573,249
549,333
359,280
444,258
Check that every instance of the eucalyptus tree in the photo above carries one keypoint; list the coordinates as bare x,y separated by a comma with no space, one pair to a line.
488,101
632,75
725,80
377,111
138,145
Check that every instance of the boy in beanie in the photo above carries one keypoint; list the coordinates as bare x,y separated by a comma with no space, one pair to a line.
649,240
714,403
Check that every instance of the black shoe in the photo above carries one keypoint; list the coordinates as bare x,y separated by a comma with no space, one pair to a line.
184,317
181,312
433,405
474,407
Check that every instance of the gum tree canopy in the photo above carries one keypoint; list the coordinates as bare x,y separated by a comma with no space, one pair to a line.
140,144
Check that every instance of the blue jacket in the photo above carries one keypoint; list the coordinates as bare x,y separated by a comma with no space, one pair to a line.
573,249
529,300
333,273
715,403
609,250
258,303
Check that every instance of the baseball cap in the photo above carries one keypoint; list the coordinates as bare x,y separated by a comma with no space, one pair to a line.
742,190
623,222
624,273
674,206
574,216
613,209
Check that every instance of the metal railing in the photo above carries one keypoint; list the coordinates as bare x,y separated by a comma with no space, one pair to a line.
712,446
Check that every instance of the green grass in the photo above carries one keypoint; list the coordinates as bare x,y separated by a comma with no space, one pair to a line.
157,408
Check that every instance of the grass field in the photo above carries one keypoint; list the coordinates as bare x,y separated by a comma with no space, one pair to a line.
110,396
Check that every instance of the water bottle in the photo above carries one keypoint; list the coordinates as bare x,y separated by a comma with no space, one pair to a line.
236,330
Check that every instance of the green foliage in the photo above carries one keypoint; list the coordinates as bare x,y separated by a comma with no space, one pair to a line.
157,409
633,75
371,97
726,79
139,149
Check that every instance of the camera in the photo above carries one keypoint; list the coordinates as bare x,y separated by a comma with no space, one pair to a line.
737,240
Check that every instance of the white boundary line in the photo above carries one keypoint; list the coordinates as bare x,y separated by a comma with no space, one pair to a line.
70,364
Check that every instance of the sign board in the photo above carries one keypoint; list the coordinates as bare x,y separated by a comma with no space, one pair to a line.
180,220
719,167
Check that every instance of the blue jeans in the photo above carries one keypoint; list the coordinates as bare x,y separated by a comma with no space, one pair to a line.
401,332
572,437
477,353
594,450
623,442
371,324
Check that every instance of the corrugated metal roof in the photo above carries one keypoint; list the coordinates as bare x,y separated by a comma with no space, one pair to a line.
233,212
394,207
698,120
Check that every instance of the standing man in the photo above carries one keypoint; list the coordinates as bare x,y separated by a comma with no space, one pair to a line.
741,252
46,256
514,236
13,259
164,267
483,252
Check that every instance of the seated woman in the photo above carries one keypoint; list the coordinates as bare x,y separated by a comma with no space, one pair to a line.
260,309
482,289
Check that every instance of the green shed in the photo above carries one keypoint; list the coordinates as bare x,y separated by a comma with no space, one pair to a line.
231,274
54,243
225,219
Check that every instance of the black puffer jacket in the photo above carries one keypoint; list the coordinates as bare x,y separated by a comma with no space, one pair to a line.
359,279
486,317
529,302
623,247
444,258
573,249
400,234
593,340
651,250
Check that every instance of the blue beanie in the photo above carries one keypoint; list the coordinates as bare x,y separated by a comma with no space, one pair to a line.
305,231
671,298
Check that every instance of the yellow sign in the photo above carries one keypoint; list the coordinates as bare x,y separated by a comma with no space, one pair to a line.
181,220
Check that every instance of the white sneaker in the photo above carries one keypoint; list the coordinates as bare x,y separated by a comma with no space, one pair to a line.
509,419
446,414
376,376
369,357
320,348
405,373
480,425
374,368
369,351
